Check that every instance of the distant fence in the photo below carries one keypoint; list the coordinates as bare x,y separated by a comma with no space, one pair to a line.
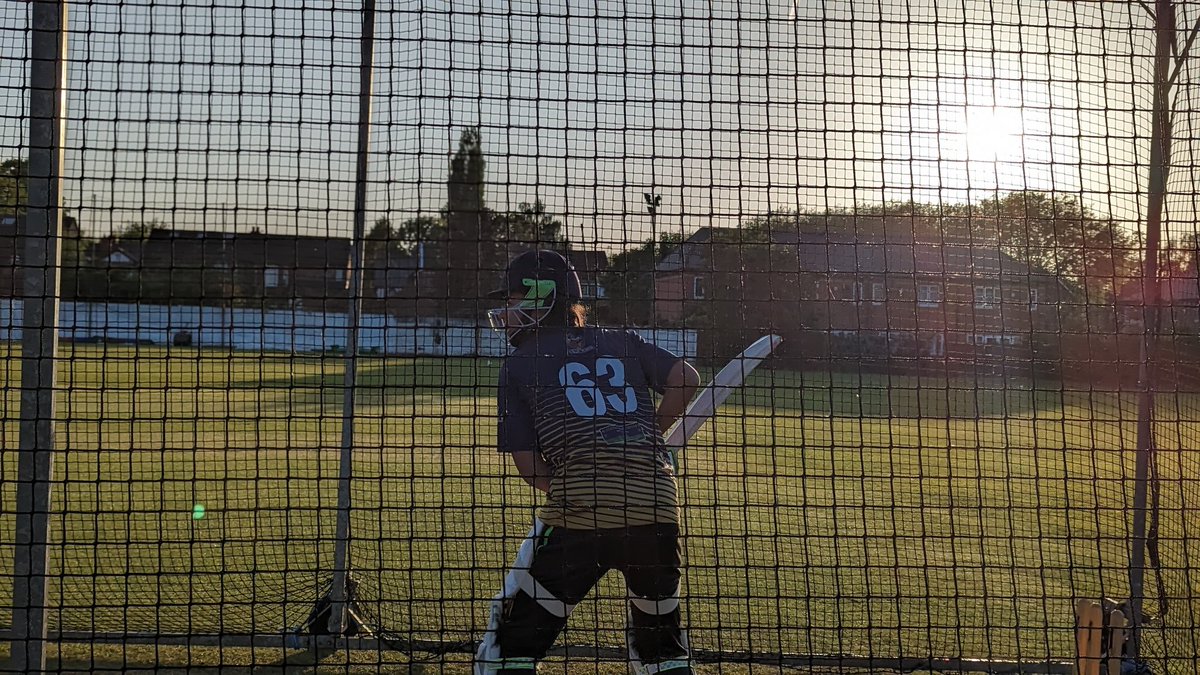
285,330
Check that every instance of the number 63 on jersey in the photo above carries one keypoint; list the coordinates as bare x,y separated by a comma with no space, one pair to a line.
596,394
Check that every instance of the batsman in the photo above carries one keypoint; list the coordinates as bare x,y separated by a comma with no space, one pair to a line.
577,418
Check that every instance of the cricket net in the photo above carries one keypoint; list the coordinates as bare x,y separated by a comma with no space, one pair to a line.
273,371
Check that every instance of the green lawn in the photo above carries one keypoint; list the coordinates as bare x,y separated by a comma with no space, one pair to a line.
824,514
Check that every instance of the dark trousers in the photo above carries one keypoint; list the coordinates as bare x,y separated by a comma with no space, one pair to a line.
568,563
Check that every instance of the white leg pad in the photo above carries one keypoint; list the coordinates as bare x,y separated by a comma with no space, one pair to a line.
656,607
635,659
488,658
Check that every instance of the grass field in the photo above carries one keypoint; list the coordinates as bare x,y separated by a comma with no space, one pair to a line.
890,516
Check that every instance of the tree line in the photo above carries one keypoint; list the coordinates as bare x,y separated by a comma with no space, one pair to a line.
1091,253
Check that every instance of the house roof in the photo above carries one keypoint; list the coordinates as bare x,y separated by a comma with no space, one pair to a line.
182,249
14,225
693,253
588,262
293,250
114,252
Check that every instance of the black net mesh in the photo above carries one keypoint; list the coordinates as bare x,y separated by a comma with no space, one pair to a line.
942,209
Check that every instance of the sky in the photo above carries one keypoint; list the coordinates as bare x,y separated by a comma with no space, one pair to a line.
240,114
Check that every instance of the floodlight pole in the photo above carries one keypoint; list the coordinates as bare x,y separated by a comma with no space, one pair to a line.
1160,154
39,333
339,595
653,201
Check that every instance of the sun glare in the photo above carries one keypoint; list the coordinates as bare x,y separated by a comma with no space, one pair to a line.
994,134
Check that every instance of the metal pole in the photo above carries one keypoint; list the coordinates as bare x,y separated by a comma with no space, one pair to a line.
341,553
39,336
1160,153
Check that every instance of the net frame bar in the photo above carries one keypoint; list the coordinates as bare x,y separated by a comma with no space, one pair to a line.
340,592
314,643
1159,152
39,337
1165,77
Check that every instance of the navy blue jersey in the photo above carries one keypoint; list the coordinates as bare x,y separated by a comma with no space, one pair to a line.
581,397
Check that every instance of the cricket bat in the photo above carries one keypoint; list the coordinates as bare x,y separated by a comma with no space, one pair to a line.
705,404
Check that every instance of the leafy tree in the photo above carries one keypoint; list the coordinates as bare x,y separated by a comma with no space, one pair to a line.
381,252
1056,233
389,247
76,261
157,283
531,225
893,221
137,231
382,230
14,186
1059,234
381,244
467,173
629,282
468,250
1183,254
421,229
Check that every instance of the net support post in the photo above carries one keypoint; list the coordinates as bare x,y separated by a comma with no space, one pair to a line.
340,615
39,337
1160,154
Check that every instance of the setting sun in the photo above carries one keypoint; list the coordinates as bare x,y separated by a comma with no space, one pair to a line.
994,134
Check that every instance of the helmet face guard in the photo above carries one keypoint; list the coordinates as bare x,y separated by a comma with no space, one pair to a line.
519,316
528,311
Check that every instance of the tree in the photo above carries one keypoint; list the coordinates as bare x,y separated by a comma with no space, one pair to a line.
382,230
420,230
14,186
629,282
467,173
468,250
1182,255
893,221
528,227
137,231
158,279
1055,233
381,252
1062,236
76,261
749,276
381,243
